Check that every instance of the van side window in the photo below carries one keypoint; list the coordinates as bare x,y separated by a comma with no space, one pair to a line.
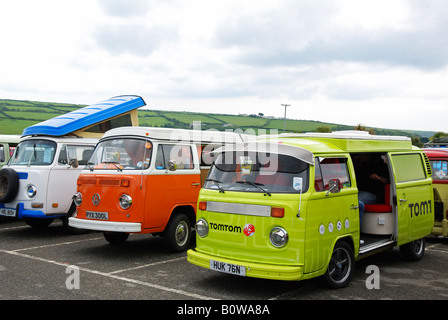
179,154
330,168
439,169
408,167
81,153
63,156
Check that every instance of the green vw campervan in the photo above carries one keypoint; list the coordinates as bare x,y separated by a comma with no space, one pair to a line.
293,206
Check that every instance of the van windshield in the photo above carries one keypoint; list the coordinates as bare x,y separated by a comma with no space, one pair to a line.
121,154
258,172
439,169
34,153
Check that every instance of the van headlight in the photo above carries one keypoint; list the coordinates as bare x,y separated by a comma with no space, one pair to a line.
278,237
31,191
125,201
202,228
77,198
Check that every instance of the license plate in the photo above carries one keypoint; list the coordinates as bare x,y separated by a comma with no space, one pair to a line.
7,212
97,215
228,268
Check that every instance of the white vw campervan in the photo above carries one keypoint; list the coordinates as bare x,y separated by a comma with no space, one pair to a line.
40,179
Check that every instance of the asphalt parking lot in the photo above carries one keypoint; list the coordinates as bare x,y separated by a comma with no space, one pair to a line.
51,264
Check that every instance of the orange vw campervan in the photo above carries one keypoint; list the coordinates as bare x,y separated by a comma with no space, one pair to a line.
146,180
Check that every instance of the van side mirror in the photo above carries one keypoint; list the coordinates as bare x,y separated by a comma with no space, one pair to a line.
73,162
172,165
334,186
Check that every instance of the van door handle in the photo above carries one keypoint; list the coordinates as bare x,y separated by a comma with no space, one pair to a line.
403,200
195,184
354,207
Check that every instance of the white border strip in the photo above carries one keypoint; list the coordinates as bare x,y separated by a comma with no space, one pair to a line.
239,208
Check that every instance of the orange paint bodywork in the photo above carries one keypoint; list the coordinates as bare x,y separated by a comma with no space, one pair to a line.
154,197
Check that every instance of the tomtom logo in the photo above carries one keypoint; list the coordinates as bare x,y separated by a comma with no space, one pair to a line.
249,230
225,227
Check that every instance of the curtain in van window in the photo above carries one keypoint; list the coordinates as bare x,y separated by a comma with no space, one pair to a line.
181,155
408,167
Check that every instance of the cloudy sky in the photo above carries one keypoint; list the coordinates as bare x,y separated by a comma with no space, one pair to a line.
381,63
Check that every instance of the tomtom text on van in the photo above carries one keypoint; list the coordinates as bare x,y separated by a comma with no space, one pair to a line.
146,180
300,206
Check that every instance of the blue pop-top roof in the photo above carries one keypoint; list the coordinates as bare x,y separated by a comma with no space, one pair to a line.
84,117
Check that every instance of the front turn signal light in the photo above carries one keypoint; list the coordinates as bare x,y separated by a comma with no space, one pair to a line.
203,205
277,212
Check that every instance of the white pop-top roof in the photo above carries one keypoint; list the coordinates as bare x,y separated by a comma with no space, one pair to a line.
9,138
198,136
70,140
344,134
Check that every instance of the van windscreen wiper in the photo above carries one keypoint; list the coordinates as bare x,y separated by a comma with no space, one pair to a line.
116,164
90,165
218,184
256,185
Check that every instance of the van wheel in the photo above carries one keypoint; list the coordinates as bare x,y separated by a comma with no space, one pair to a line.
9,184
116,237
413,251
178,233
341,266
39,223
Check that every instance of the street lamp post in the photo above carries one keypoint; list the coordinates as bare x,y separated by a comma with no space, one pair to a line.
284,119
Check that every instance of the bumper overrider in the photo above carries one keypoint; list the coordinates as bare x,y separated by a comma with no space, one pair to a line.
252,269
107,226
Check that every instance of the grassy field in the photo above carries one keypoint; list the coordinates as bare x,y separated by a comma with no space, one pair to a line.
16,115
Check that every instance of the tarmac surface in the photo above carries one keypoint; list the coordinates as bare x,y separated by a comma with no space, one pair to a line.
52,264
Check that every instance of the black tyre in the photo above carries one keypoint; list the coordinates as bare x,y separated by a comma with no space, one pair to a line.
116,237
9,184
39,223
413,251
341,266
178,233
71,230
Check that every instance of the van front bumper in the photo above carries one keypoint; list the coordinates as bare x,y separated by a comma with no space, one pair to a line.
253,269
107,226
21,212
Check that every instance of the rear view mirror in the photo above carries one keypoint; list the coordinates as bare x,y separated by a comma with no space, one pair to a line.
73,162
334,186
172,165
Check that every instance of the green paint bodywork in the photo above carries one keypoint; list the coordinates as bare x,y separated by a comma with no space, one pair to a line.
323,218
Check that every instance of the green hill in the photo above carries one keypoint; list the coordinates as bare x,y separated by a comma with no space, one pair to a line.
16,115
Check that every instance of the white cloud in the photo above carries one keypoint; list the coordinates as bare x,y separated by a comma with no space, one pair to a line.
382,63
373,14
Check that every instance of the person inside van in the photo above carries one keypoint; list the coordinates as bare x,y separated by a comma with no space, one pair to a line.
371,176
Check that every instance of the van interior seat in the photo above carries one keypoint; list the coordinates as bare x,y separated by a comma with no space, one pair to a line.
381,207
